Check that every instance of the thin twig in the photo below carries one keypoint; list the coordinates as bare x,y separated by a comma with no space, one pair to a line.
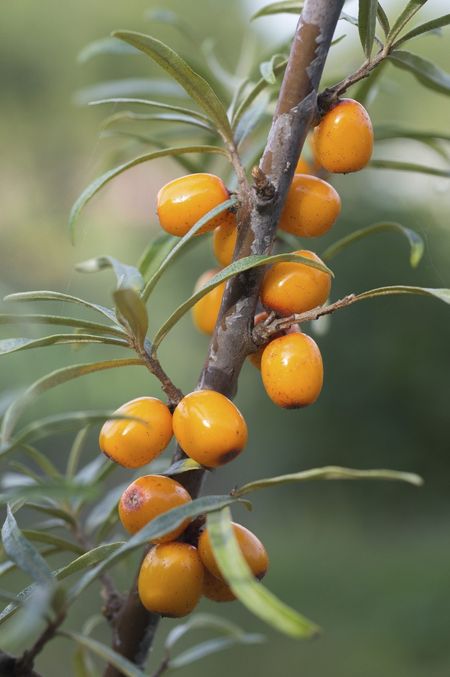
24,664
152,363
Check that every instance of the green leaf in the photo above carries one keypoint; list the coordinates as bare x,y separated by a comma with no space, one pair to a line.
55,378
102,180
28,296
251,95
130,116
415,240
128,87
244,585
432,25
246,263
132,309
409,167
285,7
155,253
404,17
203,622
267,68
367,17
352,20
123,665
180,467
158,527
153,104
13,345
75,451
8,318
212,646
182,242
105,46
441,294
383,19
44,537
423,70
23,554
104,509
57,489
331,472
41,460
128,277
197,88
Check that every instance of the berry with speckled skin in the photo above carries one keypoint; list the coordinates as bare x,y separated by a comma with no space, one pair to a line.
182,202
148,497
209,428
292,371
343,140
133,444
290,287
311,207
170,580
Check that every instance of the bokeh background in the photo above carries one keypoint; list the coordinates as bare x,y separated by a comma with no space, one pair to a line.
369,562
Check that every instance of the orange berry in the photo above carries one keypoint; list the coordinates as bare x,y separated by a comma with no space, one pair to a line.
206,310
311,207
133,444
224,242
292,371
290,287
182,202
255,358
251,547
343,140
215,589
209,428
303,167
170,580
150,496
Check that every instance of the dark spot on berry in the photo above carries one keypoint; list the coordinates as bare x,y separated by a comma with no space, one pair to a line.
133,499
228,456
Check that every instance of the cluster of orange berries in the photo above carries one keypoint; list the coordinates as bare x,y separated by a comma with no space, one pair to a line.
212,431
291,364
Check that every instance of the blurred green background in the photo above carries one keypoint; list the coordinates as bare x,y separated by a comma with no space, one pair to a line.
369,562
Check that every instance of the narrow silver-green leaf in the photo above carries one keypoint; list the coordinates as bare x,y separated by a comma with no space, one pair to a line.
367,17
105,178
441,294
128,87
234,268
244,585
128,277
202,621
180,467
211,646
32,318
23,554
44,537
404,17
383,19
423,70
131,308
51,490
13,345
123,665
267,68
331,472
399,166
155,529
43,295
105,46
283,7
130,116
415,240
251,95
51,380
183,241
155,253
197,88
152,104
426,27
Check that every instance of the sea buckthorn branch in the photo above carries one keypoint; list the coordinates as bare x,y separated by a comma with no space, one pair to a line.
257,216
154,366
273,324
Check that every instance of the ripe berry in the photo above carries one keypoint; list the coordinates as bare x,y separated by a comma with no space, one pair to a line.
182,202
292,371
209,428
303,167
343,140
170,581
150,496
224,242
311,207
255,358
206,310
133,444
215,589
290,287
251,547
